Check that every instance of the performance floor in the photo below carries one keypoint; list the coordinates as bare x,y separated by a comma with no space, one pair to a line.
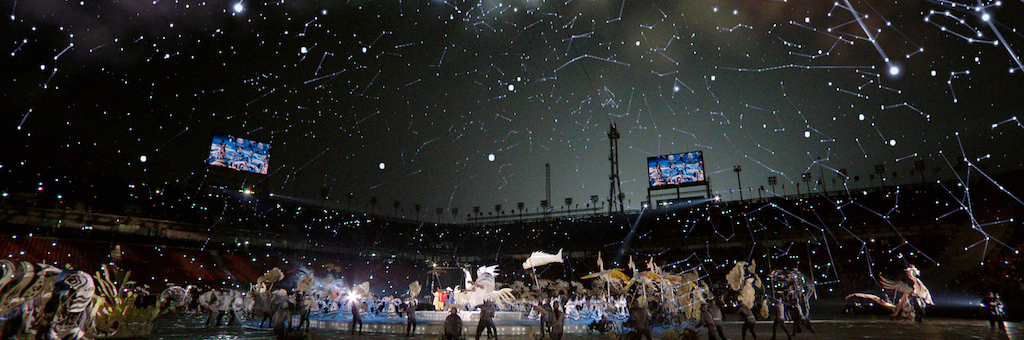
191,328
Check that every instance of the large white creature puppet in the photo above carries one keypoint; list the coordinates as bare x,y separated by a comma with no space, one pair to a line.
539,258
913,300
743,280
483,290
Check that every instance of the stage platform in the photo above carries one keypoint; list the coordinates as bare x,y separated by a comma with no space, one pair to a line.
432,322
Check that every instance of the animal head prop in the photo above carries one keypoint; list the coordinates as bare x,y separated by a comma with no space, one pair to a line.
305,285
489,270
267,280
912,272
362,289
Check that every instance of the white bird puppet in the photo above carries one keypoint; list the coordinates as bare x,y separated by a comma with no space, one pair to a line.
483,290
539,258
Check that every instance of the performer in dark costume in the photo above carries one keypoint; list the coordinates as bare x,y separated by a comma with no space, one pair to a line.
410,321
639,318
716,315
994,306
545,318
708,320
557,322
748,320
799,318
779,318
356,318
486,320
452,326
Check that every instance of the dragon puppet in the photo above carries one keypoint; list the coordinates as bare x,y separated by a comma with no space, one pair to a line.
483,290
913,300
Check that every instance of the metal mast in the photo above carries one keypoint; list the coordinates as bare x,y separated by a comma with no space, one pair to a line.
615,189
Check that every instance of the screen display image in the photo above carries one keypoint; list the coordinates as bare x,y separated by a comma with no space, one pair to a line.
676,169
239,154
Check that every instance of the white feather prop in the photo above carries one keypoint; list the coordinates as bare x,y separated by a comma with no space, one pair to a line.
414,289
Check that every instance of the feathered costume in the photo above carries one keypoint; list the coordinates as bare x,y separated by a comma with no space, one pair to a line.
913,300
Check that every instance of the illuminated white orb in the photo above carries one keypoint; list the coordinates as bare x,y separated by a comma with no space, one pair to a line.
713,78
985,17
381,165
239,8
861,117
638,42
490,157
142,158
511,88
807,134
42,67
894,70
892,142
303,50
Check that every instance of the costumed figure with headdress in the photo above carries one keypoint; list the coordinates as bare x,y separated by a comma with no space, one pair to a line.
913,300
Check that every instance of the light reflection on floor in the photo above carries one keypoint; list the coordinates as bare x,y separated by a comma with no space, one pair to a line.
191,328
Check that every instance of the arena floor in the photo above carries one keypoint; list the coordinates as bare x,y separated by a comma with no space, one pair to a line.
191,328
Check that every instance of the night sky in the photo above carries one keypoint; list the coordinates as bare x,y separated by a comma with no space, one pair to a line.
409,100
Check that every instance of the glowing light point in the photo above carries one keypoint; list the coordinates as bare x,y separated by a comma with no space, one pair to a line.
239,8
142,158
861,117
42,67
511,88
638,42
933,73
894,70
303,50
807,134
807,20
892,142
324,12
985,17
490,157
381,165
713,78
364,49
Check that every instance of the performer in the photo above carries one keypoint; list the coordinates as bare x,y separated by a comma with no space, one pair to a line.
486,320
799,318
410,321
638,318
995,310
557,323
780,318
708,321
545,317
748,320
716,316
452,326
356,318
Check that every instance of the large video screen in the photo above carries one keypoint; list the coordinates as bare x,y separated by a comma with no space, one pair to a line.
239,154
676,170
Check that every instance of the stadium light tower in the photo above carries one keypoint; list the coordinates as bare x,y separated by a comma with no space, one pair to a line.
739,184
615,189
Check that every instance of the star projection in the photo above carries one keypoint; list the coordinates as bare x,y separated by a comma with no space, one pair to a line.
461,104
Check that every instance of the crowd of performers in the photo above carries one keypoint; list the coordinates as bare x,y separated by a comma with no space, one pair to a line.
41,301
